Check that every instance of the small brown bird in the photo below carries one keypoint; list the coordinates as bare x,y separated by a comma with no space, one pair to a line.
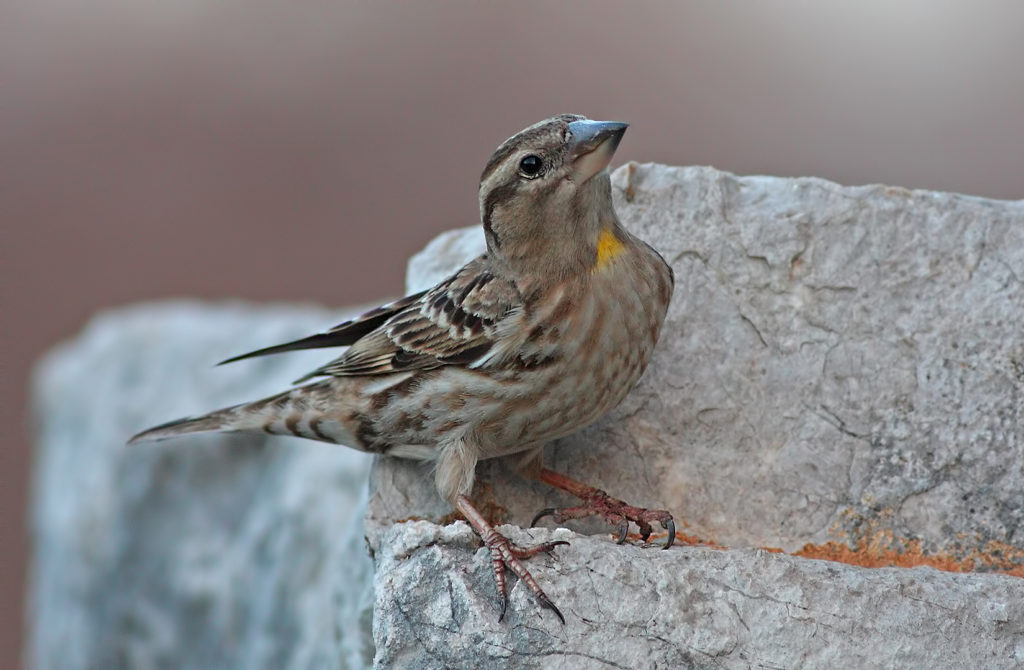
537,338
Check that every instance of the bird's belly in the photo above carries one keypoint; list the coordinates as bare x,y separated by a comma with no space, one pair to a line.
570,395
505,414
575,401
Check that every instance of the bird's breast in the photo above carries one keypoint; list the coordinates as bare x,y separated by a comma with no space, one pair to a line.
588,346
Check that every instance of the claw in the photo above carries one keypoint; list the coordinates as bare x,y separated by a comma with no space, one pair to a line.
547,511
504,607
546,602
550,546
669,525
623,532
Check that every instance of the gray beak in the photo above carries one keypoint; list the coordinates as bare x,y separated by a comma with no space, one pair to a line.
592,146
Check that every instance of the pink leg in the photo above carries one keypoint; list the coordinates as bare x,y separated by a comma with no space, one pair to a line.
598,503
505,554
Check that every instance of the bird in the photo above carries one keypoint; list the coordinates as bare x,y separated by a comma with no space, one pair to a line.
540,336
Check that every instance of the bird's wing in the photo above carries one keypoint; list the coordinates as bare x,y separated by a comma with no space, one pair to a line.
342,335
455,323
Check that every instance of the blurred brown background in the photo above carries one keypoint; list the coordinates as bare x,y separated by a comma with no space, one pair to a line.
301,151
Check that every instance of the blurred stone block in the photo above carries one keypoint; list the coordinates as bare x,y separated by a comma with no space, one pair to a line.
206,552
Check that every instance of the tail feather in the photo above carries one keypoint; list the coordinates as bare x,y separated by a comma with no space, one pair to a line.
221,420
297,412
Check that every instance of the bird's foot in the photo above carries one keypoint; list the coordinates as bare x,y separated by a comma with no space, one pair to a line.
598,503
507,555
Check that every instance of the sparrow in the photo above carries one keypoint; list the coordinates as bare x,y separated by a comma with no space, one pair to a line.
537,338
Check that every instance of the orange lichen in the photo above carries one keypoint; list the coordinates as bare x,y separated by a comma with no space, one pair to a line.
406,519
870,554
693,540
874,545
1001,557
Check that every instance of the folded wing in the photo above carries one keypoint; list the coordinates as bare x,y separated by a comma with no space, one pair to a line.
455,323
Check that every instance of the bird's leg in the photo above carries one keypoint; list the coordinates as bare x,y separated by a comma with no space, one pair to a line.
505,554
598,503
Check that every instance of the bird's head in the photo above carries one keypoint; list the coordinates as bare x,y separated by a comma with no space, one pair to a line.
545,195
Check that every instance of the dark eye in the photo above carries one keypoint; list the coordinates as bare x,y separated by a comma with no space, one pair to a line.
530,166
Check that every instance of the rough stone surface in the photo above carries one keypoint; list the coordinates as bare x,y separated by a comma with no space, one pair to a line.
839,365
693,607
205,552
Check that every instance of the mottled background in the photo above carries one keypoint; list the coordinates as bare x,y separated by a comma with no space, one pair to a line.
301,151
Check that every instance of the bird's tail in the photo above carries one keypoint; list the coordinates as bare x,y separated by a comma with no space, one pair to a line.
298,412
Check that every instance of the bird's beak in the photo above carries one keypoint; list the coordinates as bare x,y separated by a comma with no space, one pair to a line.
592,146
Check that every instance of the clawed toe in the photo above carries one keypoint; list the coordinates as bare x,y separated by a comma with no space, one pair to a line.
546,602
547,511
505,555
598,503
616,512
670,525
523,553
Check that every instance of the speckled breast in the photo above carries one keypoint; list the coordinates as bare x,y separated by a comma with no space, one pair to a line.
588,354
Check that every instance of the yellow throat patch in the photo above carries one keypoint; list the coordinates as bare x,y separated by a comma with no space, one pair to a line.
608,247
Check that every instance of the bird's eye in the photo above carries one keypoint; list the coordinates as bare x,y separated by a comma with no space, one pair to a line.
530,166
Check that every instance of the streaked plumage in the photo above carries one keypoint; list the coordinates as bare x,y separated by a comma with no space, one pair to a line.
534,340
